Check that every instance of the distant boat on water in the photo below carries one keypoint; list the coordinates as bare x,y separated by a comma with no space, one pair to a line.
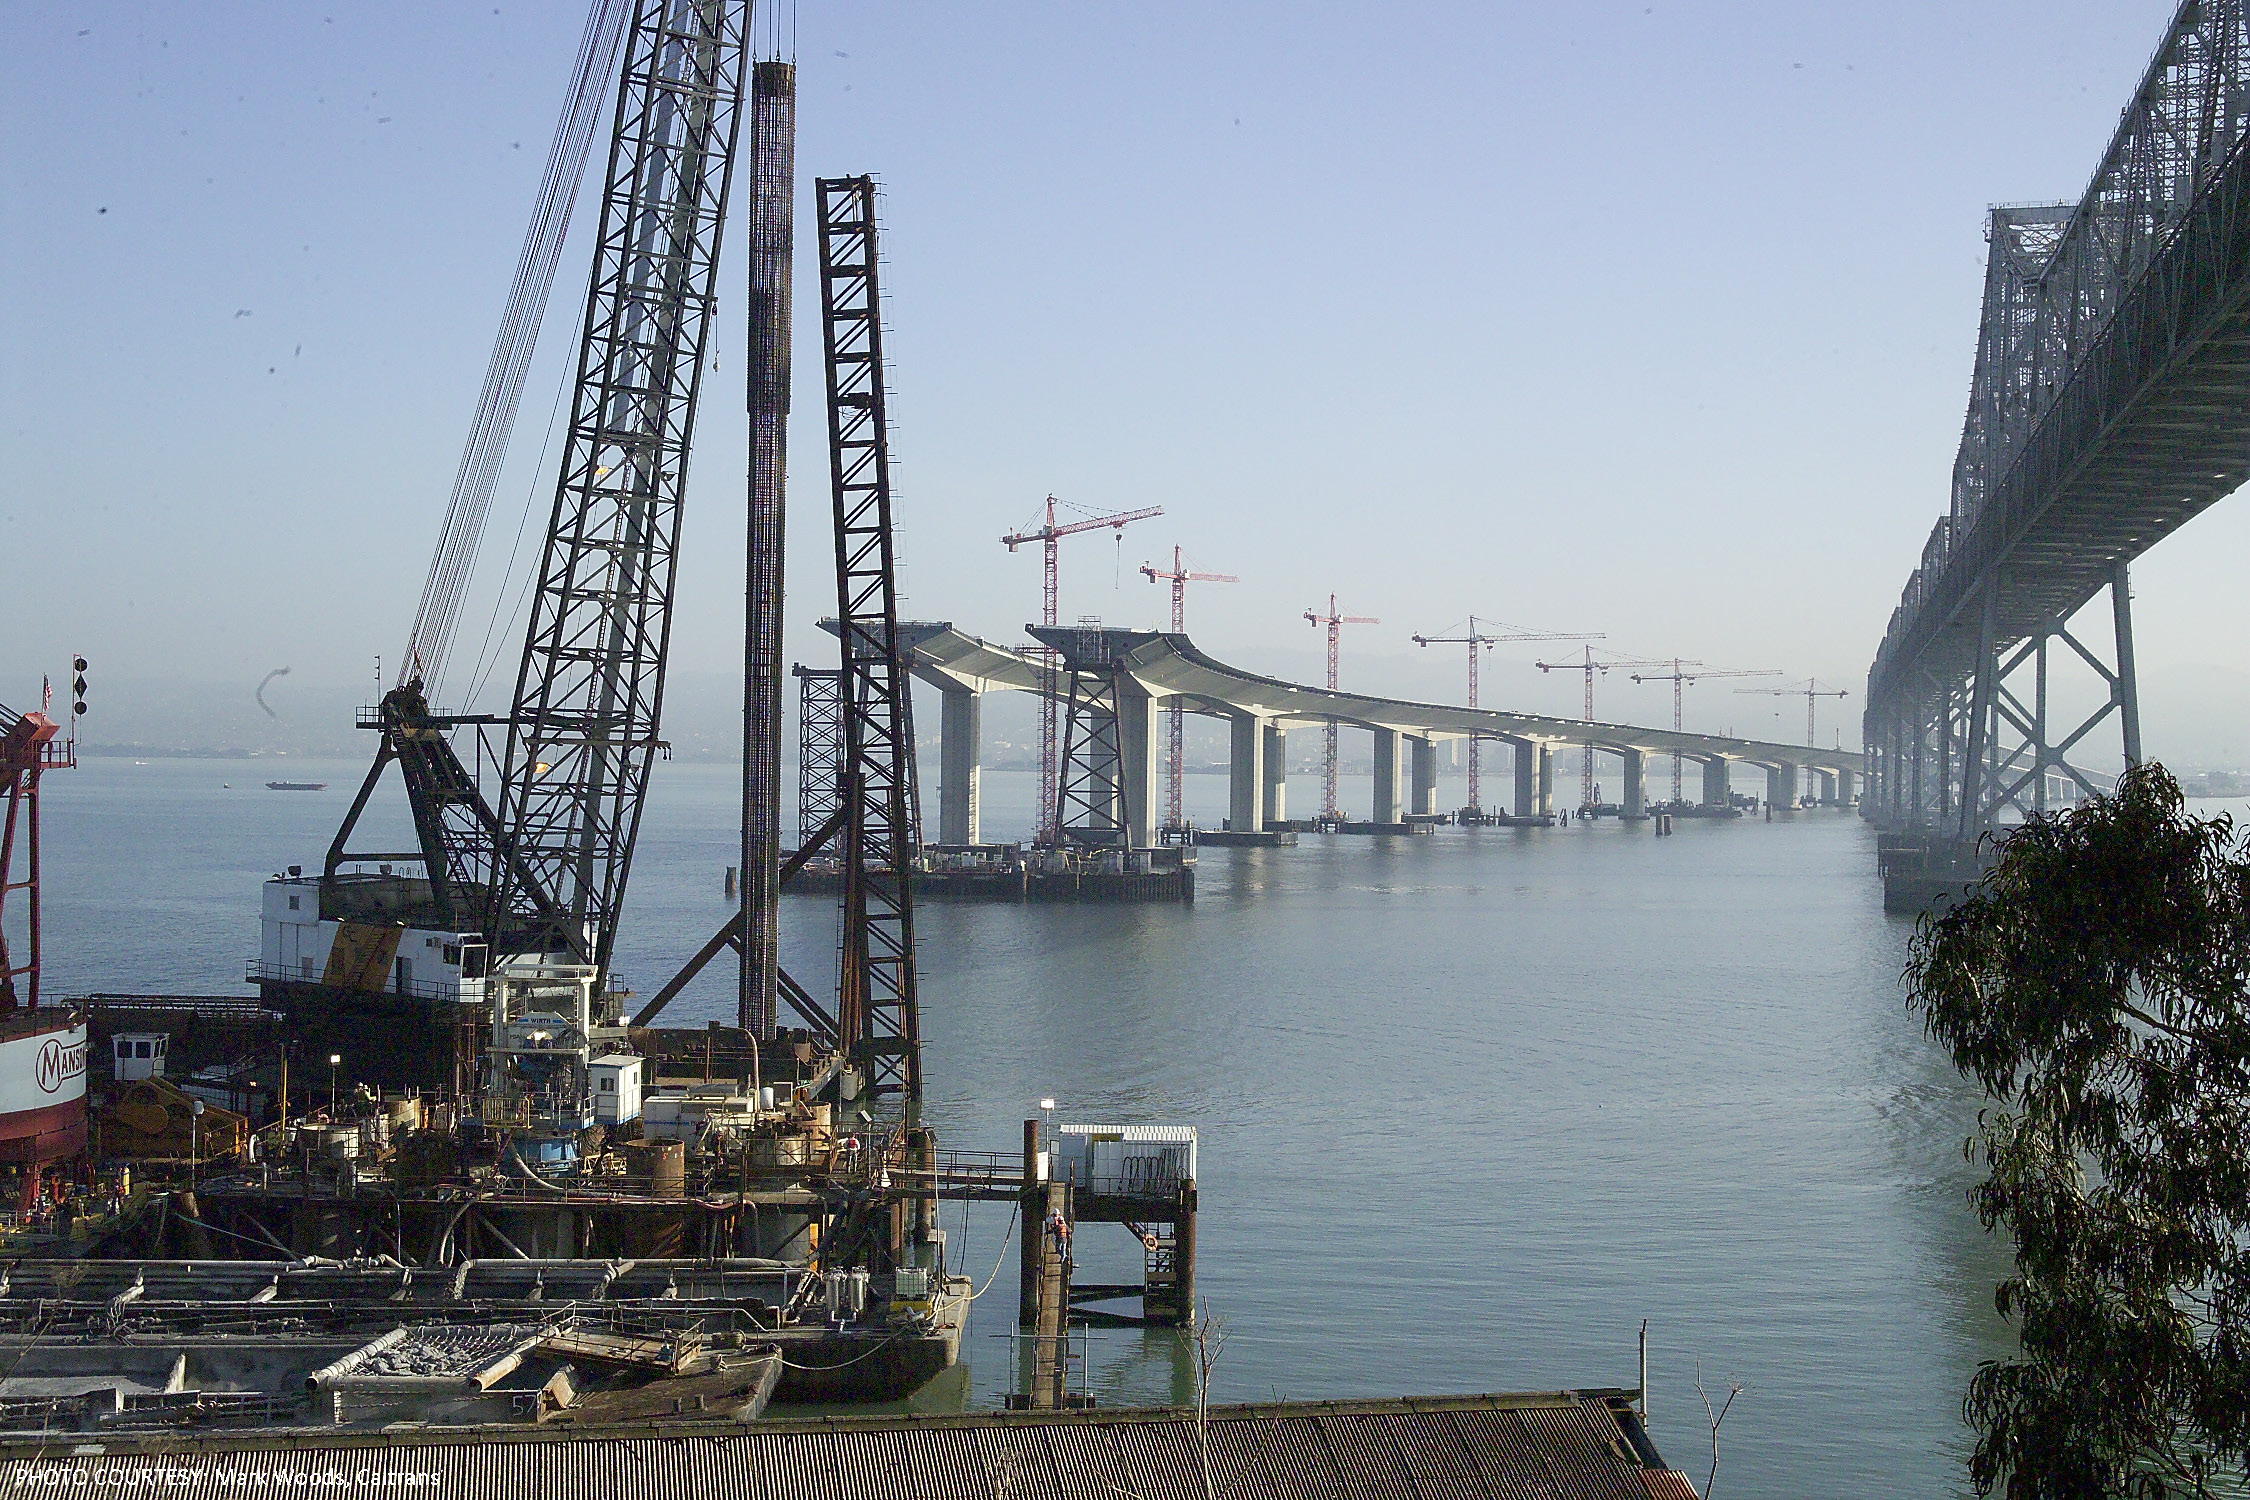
296,786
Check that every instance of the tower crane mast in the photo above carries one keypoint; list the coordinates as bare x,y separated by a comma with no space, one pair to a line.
1048,536
1335,620
1475,640
1180,577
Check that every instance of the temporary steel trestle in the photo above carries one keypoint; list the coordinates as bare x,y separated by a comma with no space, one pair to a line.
876,1004
2108,406
1090,805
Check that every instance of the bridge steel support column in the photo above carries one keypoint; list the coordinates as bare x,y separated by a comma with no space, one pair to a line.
2128,683
960,722
1422,753
1246,772
1277,774
1715,788
1386,777
1635,800
1136,755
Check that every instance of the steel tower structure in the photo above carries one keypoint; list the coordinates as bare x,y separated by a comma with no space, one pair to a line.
1335,620
28,748
1476,640
1050,669
877,1010
1175,729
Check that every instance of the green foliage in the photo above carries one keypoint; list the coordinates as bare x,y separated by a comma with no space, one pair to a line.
2095,983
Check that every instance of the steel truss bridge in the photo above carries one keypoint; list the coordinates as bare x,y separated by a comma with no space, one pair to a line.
1114,683
2110,403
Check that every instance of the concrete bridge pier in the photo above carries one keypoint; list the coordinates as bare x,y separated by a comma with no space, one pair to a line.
1635,800
960,728
1781,786
1845,786
1422,752
1527,776
1277,774
1827,787
1715,788
1136,754
1545,806
1246,772
1386,777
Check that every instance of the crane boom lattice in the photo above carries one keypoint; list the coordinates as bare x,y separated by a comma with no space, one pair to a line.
590,688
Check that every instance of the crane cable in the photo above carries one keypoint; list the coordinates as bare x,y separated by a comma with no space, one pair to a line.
486,450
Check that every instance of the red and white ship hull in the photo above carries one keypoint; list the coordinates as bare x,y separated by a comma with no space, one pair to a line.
42,1087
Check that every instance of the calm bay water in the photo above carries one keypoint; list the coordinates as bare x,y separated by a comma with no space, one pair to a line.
1472,1105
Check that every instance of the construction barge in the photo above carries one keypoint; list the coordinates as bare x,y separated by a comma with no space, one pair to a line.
1011,873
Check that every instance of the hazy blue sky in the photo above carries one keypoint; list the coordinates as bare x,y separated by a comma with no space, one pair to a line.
1648,318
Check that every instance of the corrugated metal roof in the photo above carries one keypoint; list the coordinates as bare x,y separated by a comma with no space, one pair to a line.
1559,1446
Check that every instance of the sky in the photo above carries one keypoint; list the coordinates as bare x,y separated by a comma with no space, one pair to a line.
1648,319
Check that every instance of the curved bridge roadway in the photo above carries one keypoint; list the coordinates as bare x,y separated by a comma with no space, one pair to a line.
1153,668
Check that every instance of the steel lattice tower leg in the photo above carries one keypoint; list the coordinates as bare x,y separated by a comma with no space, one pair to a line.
877,1010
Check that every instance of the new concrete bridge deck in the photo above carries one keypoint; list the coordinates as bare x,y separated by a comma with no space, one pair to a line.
1155,669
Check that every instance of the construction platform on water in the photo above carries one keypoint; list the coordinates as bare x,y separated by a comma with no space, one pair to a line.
1016,873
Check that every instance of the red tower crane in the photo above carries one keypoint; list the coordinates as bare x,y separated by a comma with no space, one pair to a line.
1590,666
28,747
1677,676
1176,729
1473,640
1335,621
1048,535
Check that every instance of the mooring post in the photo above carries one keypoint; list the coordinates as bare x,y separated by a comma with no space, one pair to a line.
1183,1254
1050,1360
